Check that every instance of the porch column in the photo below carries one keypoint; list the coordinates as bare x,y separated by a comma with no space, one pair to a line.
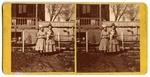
87,41
36,18
99,13
122,38
23,45
58,41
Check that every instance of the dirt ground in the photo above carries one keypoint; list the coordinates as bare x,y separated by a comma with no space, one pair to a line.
112,62
49,62
86,62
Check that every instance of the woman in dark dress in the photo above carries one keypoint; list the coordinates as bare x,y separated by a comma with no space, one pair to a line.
113,43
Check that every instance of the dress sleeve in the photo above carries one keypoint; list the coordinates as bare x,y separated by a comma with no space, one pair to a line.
116,35
101,35
38,35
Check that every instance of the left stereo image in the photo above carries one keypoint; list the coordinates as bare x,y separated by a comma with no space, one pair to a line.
42,37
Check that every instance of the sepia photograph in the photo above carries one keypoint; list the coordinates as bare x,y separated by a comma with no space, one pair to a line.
42,37
108,37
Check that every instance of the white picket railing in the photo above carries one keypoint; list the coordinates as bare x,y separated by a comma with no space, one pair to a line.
88,21
30,21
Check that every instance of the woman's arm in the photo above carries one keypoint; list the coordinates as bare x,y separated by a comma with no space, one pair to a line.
101,35
38,35
116,35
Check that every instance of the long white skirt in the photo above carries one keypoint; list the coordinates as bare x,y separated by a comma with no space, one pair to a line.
40,44
103,44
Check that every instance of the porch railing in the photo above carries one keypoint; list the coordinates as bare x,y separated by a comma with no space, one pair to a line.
97,21
30,21
88,21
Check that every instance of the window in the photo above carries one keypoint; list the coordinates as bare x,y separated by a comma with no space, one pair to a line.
13,11
86,9
22,9
105,12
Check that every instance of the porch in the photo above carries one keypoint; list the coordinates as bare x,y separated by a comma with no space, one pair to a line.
89,30
24,29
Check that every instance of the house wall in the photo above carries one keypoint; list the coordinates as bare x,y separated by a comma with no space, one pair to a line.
122,27
58,27
27,32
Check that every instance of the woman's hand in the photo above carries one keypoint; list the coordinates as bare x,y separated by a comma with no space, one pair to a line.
43,36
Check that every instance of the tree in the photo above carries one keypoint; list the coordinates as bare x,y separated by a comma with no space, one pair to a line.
68,12
55,10
119,10
132,11
128,10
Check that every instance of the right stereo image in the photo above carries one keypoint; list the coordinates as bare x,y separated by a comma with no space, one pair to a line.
108,37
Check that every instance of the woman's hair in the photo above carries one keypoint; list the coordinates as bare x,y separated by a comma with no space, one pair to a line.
51,27
39,28
104,28
113,24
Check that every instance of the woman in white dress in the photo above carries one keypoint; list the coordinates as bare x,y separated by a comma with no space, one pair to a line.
104,40
50,42
41,37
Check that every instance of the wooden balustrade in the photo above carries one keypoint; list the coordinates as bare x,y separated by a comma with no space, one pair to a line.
30,21
88,21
